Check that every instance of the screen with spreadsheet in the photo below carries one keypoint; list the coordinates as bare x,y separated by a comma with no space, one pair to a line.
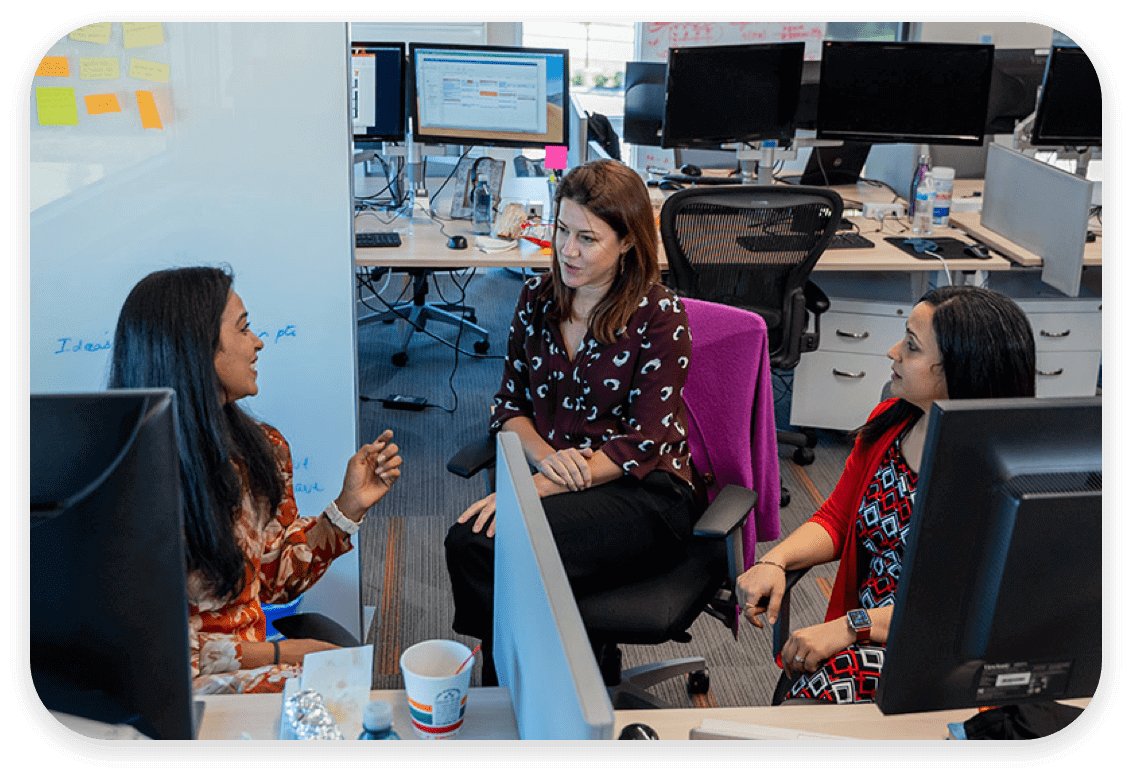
491,95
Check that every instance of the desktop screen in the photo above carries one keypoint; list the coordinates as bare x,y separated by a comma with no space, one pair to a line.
377,92
644,102
542,653
1015,80
884,92
491,95
1069,109
731,94
1000,589
109,616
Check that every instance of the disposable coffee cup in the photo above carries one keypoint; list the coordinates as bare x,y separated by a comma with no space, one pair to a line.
437,695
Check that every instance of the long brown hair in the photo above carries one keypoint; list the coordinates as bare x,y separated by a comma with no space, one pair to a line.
615,194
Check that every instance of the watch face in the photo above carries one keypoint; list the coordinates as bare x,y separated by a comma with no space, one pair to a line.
859,619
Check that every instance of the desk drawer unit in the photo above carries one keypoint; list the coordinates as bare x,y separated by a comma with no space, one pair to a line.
838,385
1067,335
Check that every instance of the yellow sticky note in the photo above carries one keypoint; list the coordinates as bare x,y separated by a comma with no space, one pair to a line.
93,33
149,71
96,104
55,105
98,67
135,34
151,120
53,66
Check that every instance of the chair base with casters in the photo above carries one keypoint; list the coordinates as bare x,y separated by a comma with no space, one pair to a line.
662,608
418,311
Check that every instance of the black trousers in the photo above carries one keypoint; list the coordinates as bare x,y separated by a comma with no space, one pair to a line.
607,535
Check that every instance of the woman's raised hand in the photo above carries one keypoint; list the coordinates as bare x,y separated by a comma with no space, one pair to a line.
369,475
568,467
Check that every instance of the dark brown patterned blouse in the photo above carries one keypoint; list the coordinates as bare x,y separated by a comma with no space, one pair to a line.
624,399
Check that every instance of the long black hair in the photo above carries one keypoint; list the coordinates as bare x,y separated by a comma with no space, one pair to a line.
986,348
168,334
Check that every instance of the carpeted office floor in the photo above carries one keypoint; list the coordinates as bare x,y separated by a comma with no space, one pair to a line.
402,558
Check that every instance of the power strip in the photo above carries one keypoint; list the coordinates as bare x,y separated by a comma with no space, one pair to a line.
882,210
404,403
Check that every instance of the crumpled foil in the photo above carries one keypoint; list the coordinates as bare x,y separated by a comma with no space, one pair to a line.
309,718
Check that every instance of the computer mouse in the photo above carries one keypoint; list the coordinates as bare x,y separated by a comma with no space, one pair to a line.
977,250
669,186
691,170
457,242
637,731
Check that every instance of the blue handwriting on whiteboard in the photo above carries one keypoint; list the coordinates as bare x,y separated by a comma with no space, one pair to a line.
80,345
76,345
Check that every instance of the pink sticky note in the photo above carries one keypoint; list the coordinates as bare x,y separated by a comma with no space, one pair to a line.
555,158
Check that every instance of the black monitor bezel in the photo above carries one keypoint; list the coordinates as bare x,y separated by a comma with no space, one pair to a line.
782,131
647,72
457,138
399,136
1017,65
973,138
1038,134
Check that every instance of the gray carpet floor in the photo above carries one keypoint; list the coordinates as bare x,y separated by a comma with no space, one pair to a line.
401,545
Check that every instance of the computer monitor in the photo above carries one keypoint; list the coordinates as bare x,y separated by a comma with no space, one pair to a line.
377,92
893,92
542,653
109,616
644,102
489,95
731,94
1000,589
806,117
579,150
1016,76
1069,108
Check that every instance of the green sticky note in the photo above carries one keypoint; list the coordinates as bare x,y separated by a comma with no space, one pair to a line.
149,71
135,34
98,67
93,33
56,105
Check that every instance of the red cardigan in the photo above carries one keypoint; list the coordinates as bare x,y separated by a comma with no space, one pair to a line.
838,516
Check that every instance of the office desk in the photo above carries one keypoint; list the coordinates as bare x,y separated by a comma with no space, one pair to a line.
971,224
489,717
232,716
425,246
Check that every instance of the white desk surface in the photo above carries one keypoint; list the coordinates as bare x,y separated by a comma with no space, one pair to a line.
489,717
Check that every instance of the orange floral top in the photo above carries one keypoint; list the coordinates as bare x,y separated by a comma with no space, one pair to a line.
286,554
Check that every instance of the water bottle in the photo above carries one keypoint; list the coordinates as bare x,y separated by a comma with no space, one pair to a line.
481,208
377,722
924,210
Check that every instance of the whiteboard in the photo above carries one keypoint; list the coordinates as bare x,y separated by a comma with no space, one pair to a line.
250,168
656,38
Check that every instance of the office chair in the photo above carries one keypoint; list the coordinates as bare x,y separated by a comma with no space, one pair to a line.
418,311
754,247
662,608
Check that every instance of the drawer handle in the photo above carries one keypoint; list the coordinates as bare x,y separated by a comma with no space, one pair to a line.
1051,373
846,374
1055,334
854,335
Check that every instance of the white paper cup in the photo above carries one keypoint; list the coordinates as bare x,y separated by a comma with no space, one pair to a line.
437,696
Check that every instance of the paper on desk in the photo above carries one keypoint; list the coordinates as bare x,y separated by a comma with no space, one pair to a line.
343,677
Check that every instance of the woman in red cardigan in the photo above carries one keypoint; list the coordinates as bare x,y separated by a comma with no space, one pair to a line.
961,342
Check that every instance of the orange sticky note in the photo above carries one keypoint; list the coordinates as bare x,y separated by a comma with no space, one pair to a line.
148,109
107,103
56,67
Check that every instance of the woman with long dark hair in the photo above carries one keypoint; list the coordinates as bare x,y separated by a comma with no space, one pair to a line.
961,342
245,543
596,362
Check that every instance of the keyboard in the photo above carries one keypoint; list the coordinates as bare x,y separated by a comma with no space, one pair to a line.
374,240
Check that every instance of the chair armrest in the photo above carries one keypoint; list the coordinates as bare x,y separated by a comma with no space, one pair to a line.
782,626
473,457
726,512
816,300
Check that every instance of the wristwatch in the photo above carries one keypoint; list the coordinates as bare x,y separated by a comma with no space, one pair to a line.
860,623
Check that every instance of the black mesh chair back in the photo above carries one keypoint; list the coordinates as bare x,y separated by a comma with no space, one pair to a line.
751,247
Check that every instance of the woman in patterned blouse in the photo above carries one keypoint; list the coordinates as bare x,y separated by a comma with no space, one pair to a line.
961,342
597,357
245,542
